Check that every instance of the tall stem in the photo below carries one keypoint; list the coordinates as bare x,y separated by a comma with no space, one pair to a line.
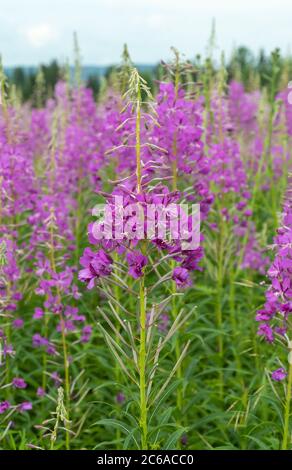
179,396
235,325
142,366
286,432
173,285
138,142
8,340
64,343
44,379
1,203
117,366
219,294
142,297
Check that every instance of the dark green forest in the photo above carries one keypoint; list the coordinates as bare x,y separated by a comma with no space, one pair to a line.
253,70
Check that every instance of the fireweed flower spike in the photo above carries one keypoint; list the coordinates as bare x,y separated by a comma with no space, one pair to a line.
179,133
230,233
137,266
16,196
56,319
275,316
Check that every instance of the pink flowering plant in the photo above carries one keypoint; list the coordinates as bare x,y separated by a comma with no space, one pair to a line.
142,228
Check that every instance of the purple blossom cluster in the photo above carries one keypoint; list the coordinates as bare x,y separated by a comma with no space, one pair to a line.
273,317
56,162
47,156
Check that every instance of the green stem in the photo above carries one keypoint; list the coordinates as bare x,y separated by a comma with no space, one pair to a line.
142,300
67,380
78,217
179,396
44,380
142,367
236,334
64,343
8,340
286,432
174,174
138,142
218,307
117,367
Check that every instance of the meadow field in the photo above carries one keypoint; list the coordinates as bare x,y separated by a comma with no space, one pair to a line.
114,336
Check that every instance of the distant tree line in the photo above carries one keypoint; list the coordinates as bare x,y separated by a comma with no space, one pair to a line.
26,81
254,71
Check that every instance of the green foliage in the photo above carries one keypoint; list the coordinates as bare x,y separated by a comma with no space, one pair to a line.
264,70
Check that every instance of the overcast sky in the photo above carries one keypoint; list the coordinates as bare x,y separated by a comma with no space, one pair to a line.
34,31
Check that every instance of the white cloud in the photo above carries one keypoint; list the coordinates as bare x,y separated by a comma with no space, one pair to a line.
34,31
40,35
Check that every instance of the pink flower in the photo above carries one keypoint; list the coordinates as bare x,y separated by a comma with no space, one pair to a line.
18,323
136,262
95,265
181,277
279,374
4,405
38,313
25,406
19,383
41,392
